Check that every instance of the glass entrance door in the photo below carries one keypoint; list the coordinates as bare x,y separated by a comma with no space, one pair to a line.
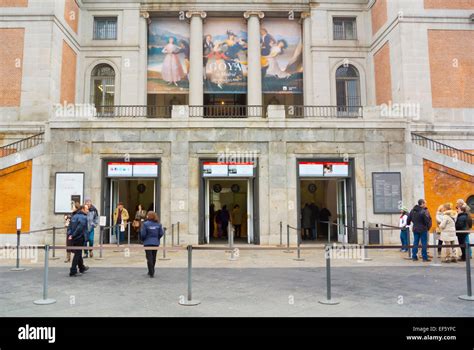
341,211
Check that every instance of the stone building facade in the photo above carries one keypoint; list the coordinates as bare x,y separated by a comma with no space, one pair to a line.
372,74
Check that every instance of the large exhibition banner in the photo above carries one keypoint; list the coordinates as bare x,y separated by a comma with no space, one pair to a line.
168,56
282,56
225,55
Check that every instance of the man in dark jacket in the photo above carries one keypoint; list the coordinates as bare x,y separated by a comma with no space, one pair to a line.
151,233
463,223
77,233
421,219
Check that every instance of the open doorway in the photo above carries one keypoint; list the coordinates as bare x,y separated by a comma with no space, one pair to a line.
229,209
323,201
132,193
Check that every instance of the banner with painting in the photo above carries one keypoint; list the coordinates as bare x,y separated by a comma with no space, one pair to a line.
168,56
225,56
282,56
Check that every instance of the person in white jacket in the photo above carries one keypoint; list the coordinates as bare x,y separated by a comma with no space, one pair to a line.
404,230
448,232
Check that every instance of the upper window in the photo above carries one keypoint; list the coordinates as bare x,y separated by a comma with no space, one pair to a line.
103,87
105,28
345,28
348,88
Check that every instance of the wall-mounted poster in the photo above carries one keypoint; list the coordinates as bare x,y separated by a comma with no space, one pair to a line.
168,56
69,188
282,56
225,56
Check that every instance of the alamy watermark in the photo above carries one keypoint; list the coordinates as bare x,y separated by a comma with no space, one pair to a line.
67,110
345,251
401,110
237,156
25,253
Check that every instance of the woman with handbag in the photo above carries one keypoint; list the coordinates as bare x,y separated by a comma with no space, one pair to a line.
140,216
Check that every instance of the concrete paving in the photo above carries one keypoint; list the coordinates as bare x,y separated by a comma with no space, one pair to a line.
259,283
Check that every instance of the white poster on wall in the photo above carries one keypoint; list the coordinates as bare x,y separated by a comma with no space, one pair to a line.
69,188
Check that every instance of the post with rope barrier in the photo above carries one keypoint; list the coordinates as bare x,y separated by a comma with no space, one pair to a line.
164,246
17,268
189,300
54,244
329,230
230,231
281,234
468,296
101,243
435,250
171,250
409,244
45,300
178,233
298,244
365,233
128,229
329,300
287,240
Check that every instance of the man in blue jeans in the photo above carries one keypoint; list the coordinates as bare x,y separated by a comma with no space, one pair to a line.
421,219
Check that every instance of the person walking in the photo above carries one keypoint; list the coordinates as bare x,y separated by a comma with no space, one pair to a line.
306,221
463,223
420,218
404,230
77,232
140,216
120,220
236,219
92,223
448,232
151,233
67,224
225,217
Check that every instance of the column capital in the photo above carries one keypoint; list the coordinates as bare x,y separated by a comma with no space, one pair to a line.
146,16
248,14
305,15
201,14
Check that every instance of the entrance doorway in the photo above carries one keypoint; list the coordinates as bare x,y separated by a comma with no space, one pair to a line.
323,201
132,193
229,209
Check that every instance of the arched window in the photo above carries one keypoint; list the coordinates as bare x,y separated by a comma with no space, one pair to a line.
103,86
347,89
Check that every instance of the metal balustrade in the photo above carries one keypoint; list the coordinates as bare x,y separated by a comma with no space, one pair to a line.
133,111
442,148
22,144
324,111
226,111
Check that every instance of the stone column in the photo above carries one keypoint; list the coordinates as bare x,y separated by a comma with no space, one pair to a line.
143,91
254,70
196,71
307,61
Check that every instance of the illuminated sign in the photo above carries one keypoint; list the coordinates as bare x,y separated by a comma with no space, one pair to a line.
323,169
230,169
132,169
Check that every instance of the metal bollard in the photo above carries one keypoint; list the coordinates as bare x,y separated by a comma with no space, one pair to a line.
172,235
101,242
45,300
298,244
281,234
129,224
178,234
288,240
409,244
435,250
365,233
469,296
189,301
17,267
54,245
164,246
328,300
329,231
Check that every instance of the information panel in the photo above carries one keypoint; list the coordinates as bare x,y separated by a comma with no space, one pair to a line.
69,188
231,169
132,169
387,192
323,169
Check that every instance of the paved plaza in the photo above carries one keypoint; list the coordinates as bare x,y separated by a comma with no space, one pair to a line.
259,283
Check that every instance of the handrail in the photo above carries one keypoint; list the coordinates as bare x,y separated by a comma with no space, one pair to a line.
442,148
20,145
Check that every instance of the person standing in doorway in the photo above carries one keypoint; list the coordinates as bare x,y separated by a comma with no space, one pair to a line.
421,220
120,221
92,223
212,217
404,230
151,233
77,232
324,217
306,221
225,217
314,220
140,216
237,220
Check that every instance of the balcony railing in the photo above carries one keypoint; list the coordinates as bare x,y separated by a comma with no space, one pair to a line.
131,111
226,111
439,147
22,144
324,111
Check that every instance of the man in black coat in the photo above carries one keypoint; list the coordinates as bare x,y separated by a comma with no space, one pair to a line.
77,232
421,219
463,223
